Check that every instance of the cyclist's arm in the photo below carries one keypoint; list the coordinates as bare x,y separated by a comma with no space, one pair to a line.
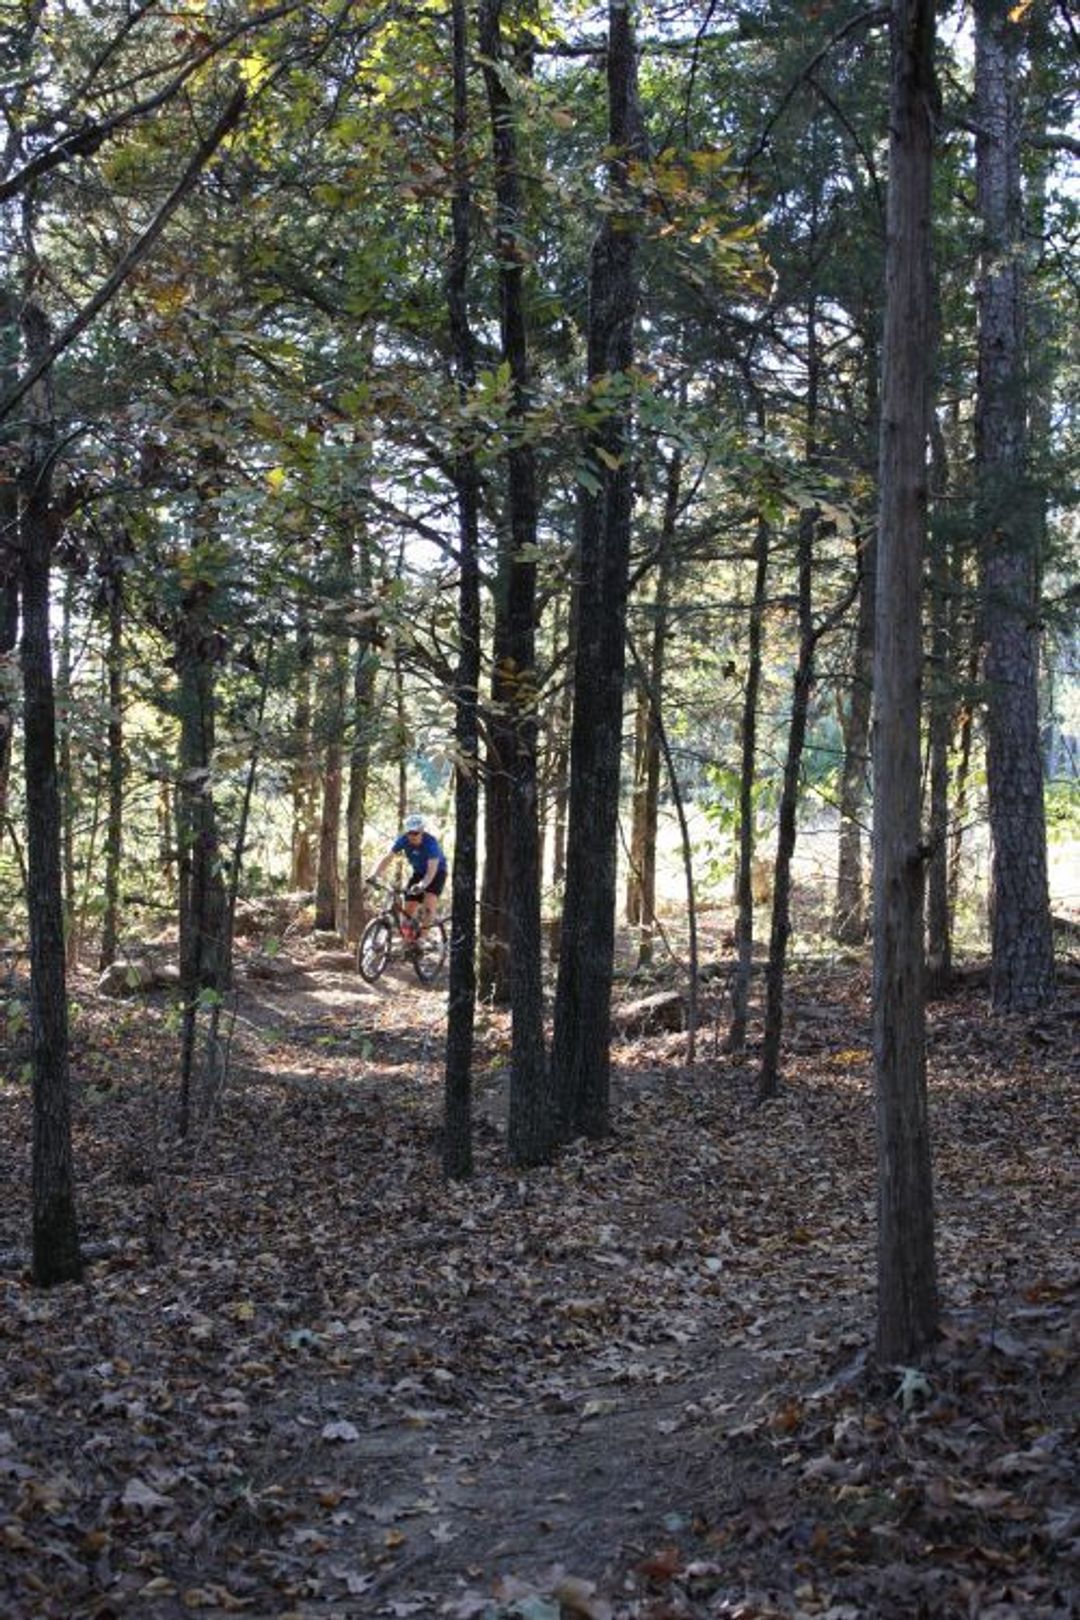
384,863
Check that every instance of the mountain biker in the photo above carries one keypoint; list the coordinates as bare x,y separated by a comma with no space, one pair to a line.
427,863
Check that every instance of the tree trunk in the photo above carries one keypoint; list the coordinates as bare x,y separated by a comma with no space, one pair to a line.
9,567
114,825
647,775
9,640
494,961
328,876
964,744
769,1077
401,738
204,943
560,777
66,778
907,1288
581,1041
635,874
530,1130
1008,516
304,779
365,668
332,704
849,920
941,705
461,1001
787,817
55,1235
744,886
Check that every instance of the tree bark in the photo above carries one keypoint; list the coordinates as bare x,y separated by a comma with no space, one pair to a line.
9,640
581,1040
941,706
560,776
66,779
332,705
787,816
457,1153
205,945
114,822
744,885
303,779
55,1234
1008,515
530,1130
9,568
365,668
646,803
907,1289
850,919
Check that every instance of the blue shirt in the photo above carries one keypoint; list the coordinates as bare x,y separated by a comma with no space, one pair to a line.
419,854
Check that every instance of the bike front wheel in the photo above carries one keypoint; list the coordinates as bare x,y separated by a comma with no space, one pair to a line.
429,952
373,952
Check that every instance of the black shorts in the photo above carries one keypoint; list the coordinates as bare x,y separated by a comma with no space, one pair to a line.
437,884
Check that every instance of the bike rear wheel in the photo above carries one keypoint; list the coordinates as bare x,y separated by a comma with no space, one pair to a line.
373,952
429,952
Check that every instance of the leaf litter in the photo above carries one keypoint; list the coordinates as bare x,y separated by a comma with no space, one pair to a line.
307,1378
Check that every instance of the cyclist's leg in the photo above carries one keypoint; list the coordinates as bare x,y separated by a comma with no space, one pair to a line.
431,900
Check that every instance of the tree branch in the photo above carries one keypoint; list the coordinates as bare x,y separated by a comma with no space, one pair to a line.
134,255
91,135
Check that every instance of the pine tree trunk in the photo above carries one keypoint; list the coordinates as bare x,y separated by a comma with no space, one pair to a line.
787,816
332,705
457,1154
1008,514
494,959
849,919
204,941
66,778
744,885
114,826
55,1235
963,747
328,877
304,780
560,778
365,669
850,916
9,640
647,799
9,568
401,738
907,1290
581,1040
941,705
634,876
530,1129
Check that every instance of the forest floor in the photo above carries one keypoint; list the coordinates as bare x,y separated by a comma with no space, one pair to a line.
305,1377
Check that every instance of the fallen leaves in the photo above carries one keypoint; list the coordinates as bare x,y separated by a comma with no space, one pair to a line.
350,1385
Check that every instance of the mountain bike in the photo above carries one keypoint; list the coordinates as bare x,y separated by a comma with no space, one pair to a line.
394,936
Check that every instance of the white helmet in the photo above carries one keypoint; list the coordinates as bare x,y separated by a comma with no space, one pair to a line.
414,824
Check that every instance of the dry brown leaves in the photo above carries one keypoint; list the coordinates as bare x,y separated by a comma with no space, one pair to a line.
632,1385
